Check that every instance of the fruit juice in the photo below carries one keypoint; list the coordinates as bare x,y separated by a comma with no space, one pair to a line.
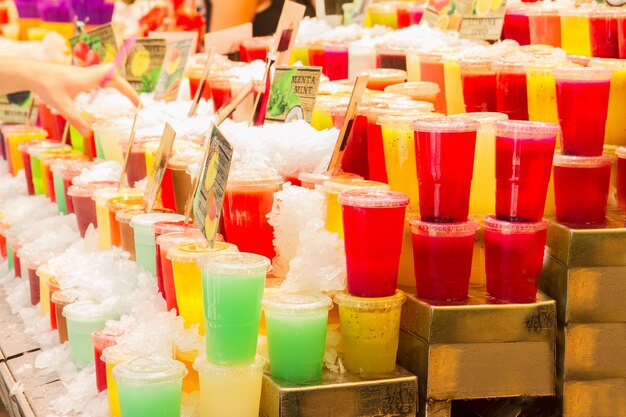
220,91
150,149
83,318
544,26
296,335
41,169
113,356
445,161
187,278
15,248
145,247
621,28
541,93
111,133
375,148
455,102
621,176
136,170
254,48
434,245
150,387
16,135
101,196
336,61
121,203
53,286
176,184
581,188
317,54
390,57
102,340
194,75
232,285
524,153
33,281
479,85
248,199
402,15
370,330
615,123
511,90
416,12
379,78
516,25
355,154
23,148
603,33
416,90
191,383
165,227
513,259
332,189
582,96
321,118
299,53
383,14
61,299
84,206
373,221
230,391
127,234
44,274
46,168
575,37
431,69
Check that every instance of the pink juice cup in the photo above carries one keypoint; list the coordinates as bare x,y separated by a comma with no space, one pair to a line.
604,33
336,61
621,175
373,224
84,206
544,26
444,149
434,245
581,188
524,153
416,12
582,98
513,259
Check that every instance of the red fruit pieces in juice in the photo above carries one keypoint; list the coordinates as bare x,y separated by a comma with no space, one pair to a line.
479,92
582,107
373,241
581,194
511,95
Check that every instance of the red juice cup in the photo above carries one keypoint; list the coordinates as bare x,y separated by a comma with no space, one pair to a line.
416,12
511,95
102,340
582,98
581,188
524,153
379,78
336,61
516,25
390,57
603,32
254,48
53,286
621,34
373,224
84,206
479,85
23,148
402,14
137,161
544,26
161,228
416,90
195,77
33,280
621,175
317,54
220,91
434,245
513,259
375,147
248,200
444,149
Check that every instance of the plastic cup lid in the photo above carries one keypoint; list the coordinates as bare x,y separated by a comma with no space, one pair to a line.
161,228
385,73
491,223
53,285
347,300
145,221
478,65
88,311
149,370
203,366
522,129
167,240
87,190
582,161
253,179
41,146
235,263
374,198
621,152
189,252
510,66
131,202
102,195
607,63
297,303
120,353
65,297
319,178
404,120
414,88
109,334
340,185
446,124
46,270
412,105
583,73
467,228
377,97
484,118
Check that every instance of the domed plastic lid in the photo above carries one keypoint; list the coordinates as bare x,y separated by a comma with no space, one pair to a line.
120,353
66,296
161,228
167,240
402,119
608,63
253,179
190,252
507,227
235,263
297,303
149,370
126,215
483,117
385,73
621,152
414,88
445,125
101,195
523,129
37,149
319,178
87,190
374,198
88,311
145,221
128,202
582,161
362,303
467,228
412,106
340,185
203,366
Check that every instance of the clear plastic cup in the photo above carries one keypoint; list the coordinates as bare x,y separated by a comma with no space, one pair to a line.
384,14
582,97
380,78
511,89
615,123
336,61
63,172
254,48
370,329
232,284
113,356
513,259
230,391
61,299
36,153
604,34
544,26
150,386
16,135
541,93
321,118
83,318
188,279
44,273
373,221
434,245
516,24
445,162
102,340
53,286
117,204
296,335
101,196
159,229
127,234
575,38
417,90
621,175
84,206
581,188
145,249
360,58
479,84
311,179
524,153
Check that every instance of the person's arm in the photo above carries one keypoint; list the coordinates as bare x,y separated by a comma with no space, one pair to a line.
58,85
228,13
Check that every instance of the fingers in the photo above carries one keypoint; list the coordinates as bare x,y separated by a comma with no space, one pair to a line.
125,88
66,107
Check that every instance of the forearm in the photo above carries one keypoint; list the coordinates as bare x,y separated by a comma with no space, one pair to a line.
18,74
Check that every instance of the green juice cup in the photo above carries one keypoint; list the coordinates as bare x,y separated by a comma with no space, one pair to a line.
113,356
145,248
83,318
150,387
296,335
232,285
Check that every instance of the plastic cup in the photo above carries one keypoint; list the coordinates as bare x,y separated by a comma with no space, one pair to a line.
336,186
159,229
102,340
511,89
390,57
311,179
621,175
360,58
220,91
513,259
434,245
35,152
249,198
336,61
575,38
321,118
127,235
23,148
380,78
16,135
296,335
230,391
582,96
63,172
524,153
111,133
544,26
116,204
581,188
616,123
145,249
176,184
317,55
83,318
137,161
541,93
254,48
621,27
33,279
61,299
150,387
188,279
45,274
370,329
516,25
603,31
232,285
53,286
375,145
113,356
101,196
445,162
383,14
479,85
417,90
84,206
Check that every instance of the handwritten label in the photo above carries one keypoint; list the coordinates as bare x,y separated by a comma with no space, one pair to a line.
144,64
155,176
173,70
94,47
226,41
293,92
212,185
14,108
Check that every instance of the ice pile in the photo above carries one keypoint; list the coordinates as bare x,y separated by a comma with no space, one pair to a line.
424,38
100,171
47,238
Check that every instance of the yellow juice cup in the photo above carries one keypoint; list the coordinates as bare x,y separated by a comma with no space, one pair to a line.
575,37
406,270
334,187
188,279
20,134
113,356
299,53
51,153
101,196
383,14
541,89
413,66
454,86
321,118
615,122
45,274
150,149
370,329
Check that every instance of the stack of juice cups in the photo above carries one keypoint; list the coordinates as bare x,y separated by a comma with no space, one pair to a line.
102,340
369,312
145,249
231,373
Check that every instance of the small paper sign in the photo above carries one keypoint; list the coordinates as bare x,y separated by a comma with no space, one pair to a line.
155,176
293,92
287,28
171,37
94,47
173,70
226,41
212,185
14,108
144,64
474,19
